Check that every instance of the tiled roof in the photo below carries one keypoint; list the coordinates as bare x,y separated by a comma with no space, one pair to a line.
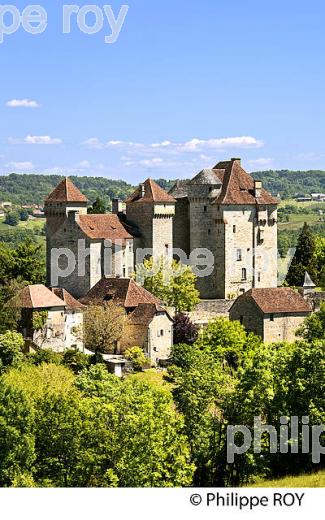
238,186
66,191
152,193
277,300
107,227
122,291
39,297
143,314
69,300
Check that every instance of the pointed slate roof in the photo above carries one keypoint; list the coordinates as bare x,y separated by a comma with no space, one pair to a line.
39,297
152,193
66,191
308,281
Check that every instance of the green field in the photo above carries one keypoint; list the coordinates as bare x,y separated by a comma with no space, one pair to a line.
35,225
302,481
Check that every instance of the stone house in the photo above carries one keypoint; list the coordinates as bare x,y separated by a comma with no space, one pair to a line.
83,248
148,325
274,314
227,212
50,319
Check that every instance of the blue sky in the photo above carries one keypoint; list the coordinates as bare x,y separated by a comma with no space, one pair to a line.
186,84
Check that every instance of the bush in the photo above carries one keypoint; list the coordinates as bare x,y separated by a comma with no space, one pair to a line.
136,356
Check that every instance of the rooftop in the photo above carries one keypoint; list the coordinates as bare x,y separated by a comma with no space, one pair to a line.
150,191
277,300
39,297
107,227
230,182
121,291
66,191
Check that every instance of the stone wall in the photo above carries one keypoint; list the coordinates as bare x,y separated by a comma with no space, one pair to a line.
208,310
283,327
160,337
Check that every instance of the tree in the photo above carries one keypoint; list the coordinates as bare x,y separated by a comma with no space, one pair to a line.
28,263
10,305
171,282
136,356
11,349
320,259
303,260
138,436
227,341
75,360
23,215
185,331
17,441
12,218
98,207
313,327
103,328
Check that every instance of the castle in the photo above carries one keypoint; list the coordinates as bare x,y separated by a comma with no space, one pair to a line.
222,210
221,222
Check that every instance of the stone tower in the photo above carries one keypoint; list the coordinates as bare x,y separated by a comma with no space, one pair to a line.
64,201
226,212
150,210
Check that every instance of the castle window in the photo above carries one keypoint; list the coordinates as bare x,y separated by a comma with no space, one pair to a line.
130,247
234,229
209,231
124,272
160,333
258,277
239,255
205,208
244,274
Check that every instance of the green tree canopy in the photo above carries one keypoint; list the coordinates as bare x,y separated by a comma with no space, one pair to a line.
171,282
304,259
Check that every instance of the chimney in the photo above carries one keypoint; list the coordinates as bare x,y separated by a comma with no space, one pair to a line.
142,190
257,189
237,159
117,206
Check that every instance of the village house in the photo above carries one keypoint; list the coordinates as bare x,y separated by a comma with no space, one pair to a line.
148,325
274,314
51,319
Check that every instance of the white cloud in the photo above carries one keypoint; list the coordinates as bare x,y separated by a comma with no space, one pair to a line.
25,103
172,148
148,163
262,162
36,139
20,166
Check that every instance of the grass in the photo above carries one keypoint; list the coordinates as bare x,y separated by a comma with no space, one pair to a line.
35,225
313,480
153,377
297,221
